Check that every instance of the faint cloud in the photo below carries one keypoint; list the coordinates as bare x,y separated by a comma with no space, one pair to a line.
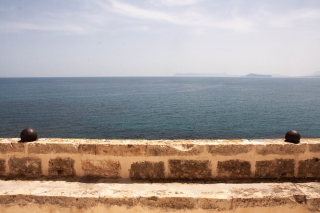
117,15
293,18
190,17
137,12
138,28
237,24
171,3
22,26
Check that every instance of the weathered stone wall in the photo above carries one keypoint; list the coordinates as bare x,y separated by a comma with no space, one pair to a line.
65,196
161,159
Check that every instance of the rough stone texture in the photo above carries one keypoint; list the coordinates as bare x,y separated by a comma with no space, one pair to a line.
147,170
218,200
314,147
309,168
61,167
101,168
270,194
2,166
87,149
162,197
11,147
312,193
129,151
48,148
169,203
190,169
229,150
278,168
174,150
233,169
281,149
25,167
121,150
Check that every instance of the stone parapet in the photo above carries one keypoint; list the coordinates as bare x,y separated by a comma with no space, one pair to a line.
66,196
155,160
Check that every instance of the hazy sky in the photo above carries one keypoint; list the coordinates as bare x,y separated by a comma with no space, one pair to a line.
158,37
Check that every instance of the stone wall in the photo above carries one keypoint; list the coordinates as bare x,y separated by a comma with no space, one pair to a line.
156,160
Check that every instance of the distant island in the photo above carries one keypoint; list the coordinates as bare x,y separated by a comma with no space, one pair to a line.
203,75
316,74
252,75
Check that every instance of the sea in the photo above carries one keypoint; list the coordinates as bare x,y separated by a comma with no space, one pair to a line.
160,107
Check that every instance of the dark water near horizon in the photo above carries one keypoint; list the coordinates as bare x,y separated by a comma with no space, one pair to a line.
160,107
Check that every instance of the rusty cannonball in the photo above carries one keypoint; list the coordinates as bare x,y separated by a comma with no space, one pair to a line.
293,136
28,135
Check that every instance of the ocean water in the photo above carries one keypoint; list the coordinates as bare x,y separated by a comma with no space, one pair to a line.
160,107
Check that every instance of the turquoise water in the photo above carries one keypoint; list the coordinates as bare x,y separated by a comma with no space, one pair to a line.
160,107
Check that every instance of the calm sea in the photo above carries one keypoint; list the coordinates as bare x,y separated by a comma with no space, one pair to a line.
160,107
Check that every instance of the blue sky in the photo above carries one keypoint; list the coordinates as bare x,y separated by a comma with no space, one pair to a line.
158,37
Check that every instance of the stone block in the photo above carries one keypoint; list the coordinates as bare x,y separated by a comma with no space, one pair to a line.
190,169
312,192
11,147
175,150
121,150
309,168
278,168
264,194
87,149
101,168
233,169
147,170
180,203
216,204
25,167
229,150
2,166
61,167
51,148
314,147
281,149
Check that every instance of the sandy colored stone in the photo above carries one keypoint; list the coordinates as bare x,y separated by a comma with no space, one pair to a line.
9,147
217,200
162,197
276,169
189,169
2,166
233,169
87,149
129,151
230,149
314,147
312,193
280,149
51,148
174,150
120,150
168,203
147,170
25,167
101,168
269,194
309,168
61,167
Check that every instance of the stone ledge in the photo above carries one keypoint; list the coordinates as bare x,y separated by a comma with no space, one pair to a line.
159,147
304,197
158,160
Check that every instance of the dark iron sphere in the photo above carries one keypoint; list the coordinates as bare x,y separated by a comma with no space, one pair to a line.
293,136
28,135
